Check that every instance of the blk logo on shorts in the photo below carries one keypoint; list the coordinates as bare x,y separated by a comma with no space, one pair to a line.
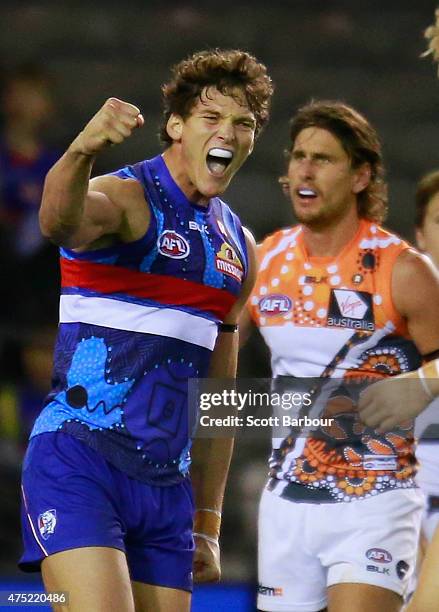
351,309
173,245
47,523
378,570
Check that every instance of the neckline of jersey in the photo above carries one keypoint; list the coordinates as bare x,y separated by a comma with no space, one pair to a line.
163,179
324,260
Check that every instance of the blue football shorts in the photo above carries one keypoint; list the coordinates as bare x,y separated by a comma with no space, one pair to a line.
72,498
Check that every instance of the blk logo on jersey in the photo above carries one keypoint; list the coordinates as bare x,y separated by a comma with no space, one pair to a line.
351,309
47,523
228,262
317,280
379,555
173,245
275,304
198,227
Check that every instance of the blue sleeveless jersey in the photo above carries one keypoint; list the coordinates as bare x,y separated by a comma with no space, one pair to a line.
136,321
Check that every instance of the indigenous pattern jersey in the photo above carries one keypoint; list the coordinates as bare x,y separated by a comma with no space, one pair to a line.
333,319
136,321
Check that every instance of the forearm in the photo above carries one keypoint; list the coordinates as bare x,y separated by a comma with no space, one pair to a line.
65,190
211,462
212,456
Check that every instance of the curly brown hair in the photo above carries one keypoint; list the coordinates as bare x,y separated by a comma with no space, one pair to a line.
360,141
427,188
224,69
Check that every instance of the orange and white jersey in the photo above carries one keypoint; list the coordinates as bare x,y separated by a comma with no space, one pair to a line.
334,318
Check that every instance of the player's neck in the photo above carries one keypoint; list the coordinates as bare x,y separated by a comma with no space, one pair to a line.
330,240
178,172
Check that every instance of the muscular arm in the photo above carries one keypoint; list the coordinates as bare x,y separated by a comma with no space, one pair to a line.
415,292
74,211
211,457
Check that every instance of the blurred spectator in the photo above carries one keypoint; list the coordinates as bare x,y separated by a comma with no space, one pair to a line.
27,109
28,263
25,373
24,383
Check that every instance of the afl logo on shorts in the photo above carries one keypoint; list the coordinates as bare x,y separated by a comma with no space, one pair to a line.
379,555
173,245
275,304
47,523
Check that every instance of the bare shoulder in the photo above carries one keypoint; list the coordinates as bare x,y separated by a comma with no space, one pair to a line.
415,282
252,261
121,192
249,239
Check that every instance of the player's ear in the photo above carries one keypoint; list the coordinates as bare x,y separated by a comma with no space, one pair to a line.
420,240
362,176
174,126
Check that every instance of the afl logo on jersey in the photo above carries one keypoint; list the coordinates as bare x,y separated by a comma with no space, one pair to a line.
275,304
173,245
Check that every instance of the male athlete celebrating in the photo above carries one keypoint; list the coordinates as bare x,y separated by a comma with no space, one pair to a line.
339,518
153,265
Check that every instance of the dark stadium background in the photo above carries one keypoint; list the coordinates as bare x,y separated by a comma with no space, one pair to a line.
365,53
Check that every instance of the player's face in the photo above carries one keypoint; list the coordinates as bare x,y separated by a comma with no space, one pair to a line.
216,138
428,236
323,186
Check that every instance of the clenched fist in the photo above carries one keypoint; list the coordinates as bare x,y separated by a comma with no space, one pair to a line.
207,566
112,124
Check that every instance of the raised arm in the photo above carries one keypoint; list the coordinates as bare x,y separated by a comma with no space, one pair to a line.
74,211
211,457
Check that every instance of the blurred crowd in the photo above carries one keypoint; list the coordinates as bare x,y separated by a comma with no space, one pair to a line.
29,275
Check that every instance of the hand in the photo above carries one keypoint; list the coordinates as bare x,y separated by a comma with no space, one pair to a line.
207,566
390,402
112,124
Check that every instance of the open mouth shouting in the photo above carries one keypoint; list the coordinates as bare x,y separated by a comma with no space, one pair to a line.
306,193
218,160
